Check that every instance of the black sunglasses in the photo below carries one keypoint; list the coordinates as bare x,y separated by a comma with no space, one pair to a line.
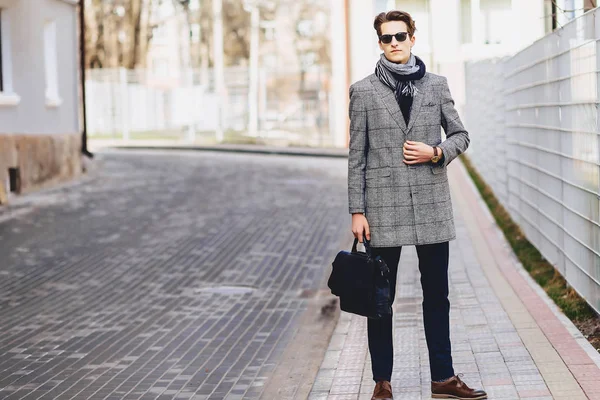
400,36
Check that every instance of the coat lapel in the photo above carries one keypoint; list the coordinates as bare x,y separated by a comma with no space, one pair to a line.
387,95
422,87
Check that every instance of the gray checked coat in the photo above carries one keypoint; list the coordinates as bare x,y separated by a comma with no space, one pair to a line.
404,204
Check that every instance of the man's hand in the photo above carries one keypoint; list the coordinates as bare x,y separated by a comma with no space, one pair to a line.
360,225
417,152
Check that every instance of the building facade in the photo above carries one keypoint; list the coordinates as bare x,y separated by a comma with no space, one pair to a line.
450,33
169,56
40,140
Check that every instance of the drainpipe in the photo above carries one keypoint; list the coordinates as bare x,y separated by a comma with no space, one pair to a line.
84,149
348,70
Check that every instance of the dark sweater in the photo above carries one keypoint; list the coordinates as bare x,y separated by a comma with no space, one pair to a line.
405,107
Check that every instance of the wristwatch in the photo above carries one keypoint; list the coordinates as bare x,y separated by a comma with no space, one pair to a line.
435,157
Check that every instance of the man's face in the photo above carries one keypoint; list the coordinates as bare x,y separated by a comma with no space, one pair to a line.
398,52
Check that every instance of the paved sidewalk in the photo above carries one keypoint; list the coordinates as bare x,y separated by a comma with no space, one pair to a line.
507,336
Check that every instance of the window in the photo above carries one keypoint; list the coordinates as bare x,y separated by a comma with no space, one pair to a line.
466,22
14,180
7,96
269,27
50,62
308,59
270,60
160,67
195,33
495,15
194,5
305,28
160,35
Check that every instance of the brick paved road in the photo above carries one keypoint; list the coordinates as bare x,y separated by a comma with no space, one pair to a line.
174,275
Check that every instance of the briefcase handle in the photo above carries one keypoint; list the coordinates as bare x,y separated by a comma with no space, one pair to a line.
365,243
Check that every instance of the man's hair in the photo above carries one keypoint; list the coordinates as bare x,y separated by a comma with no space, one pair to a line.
395,16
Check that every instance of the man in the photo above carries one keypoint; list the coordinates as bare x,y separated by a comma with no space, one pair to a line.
398,190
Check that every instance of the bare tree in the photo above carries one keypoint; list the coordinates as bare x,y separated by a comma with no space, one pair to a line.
118,33
134,26
236,23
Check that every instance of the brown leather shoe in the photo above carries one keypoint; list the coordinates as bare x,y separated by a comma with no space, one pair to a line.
383,391
455,388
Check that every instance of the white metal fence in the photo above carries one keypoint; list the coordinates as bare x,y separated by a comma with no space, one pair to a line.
534,121
293,106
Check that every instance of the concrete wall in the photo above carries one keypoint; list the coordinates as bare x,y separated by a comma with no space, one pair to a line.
23,26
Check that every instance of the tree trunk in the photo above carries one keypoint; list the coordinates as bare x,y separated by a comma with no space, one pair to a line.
99,49
136,23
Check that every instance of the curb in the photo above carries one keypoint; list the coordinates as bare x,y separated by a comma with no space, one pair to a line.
252,149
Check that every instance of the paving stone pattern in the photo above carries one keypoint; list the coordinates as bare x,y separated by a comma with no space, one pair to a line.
169,276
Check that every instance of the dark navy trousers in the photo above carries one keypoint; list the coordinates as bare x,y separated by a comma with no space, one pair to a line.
433,265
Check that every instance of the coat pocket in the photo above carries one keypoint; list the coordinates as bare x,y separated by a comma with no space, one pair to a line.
429,104
378,177
377,172
437,169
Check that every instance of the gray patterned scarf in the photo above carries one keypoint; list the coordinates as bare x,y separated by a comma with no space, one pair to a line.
400,77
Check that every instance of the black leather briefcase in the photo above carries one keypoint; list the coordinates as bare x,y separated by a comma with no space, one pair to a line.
361,282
